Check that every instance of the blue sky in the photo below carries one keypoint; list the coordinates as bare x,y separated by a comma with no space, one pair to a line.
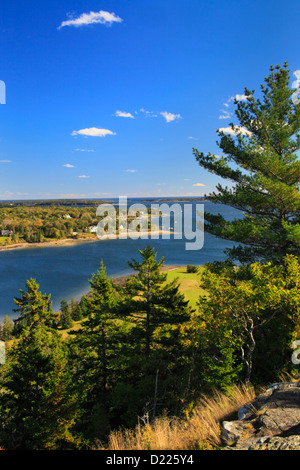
108,98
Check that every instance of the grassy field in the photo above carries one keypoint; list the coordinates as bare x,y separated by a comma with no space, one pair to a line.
189,283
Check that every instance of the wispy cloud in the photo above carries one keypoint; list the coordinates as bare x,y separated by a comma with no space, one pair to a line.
100,17
101,194
227,114
84,150
72,196
130,171
5,161
94,132
6,194
192,138
198,184
123,114
68,165
169,117
148,113
83,176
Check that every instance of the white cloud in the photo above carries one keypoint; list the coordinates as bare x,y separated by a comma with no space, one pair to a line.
226,104
83,176
83,150
198,184
102,17
297,74
240,97
5,161
192,138
169,117
94,132
130,171
123,114
235,131
225,115
67,165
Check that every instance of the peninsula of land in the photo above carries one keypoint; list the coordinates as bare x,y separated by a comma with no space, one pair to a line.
41,225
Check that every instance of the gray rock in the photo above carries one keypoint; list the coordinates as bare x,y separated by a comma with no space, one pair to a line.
270,422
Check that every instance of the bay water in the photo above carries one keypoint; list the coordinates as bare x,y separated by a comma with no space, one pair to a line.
64,271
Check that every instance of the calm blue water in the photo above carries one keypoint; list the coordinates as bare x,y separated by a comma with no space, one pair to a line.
64,271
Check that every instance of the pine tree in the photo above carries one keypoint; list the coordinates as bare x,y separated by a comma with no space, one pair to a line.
156,311
157,302
34,307
95,355
65,320
37,410
260,158
7,329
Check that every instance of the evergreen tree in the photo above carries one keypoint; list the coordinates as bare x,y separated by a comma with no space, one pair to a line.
156,310
64,307
157,302
95,355
7,329
260,158
34,307
37,411
65,320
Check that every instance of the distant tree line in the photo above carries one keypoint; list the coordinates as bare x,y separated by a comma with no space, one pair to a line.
39,223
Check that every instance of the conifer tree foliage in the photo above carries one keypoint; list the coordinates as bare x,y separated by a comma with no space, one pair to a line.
34,307
156,311
148,294
37,410
95,354
259,156
6,329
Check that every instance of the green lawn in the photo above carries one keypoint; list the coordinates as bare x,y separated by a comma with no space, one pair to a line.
189,283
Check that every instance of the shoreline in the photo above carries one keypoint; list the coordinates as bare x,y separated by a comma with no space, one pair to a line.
75,241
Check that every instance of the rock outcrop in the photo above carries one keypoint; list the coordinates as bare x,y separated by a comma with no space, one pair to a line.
270,422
